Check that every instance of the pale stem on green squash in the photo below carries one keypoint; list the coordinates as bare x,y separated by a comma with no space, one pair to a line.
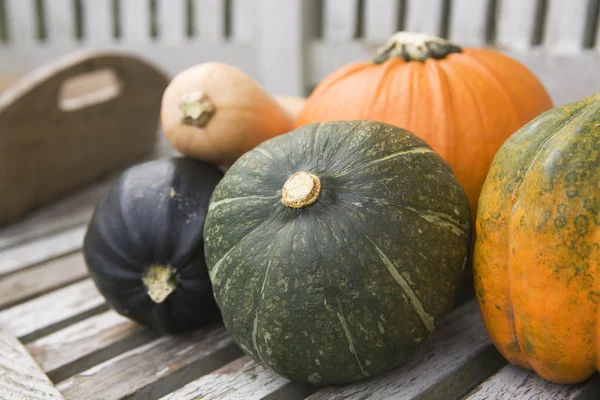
197,109
412,46
160,282
301,190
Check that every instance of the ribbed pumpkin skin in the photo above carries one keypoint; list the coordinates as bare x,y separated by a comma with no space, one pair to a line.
537,248
353,284
154,215
464,105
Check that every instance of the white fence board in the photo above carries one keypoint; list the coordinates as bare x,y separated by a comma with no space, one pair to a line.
172,24
340,17
468,22
516,20
565,25
21,19
381,20
281,56
60,22
209,17
135,20
97,21
243,20
424,16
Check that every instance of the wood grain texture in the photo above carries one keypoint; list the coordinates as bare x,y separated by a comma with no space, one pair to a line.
451,349
69,212
512,382
87,343
50,312
97,135
20,377
49,247
42,278
155,369
240,379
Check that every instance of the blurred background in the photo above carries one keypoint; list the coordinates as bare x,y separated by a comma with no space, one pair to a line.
290,45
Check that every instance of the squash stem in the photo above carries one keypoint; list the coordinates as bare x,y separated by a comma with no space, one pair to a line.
301,190
197,109
160,282
412,46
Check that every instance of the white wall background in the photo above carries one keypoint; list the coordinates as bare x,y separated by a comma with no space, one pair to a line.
290,45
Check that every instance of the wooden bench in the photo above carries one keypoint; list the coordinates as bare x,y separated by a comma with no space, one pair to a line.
58,337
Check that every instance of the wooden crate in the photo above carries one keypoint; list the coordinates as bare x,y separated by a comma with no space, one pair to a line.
59,339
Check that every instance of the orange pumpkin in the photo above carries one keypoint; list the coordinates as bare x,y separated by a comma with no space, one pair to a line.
465,102
536,263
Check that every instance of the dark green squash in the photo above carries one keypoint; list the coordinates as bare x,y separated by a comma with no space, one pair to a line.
144,246
335,250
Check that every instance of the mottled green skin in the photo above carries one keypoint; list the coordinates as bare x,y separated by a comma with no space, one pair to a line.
306,291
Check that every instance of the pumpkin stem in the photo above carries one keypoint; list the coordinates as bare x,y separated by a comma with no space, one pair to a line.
197,108
412,46
301,190
159,281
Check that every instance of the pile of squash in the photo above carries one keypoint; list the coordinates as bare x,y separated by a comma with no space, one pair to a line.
332,235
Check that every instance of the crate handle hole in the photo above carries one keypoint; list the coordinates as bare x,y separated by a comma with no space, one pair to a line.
88,89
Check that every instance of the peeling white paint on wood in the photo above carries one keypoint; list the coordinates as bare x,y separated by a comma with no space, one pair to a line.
20,377
156,368
35,317
240,379
83,344
512,382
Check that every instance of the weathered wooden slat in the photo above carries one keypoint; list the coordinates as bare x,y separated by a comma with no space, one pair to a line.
21,20
516,24
87,343
452,350
281,56
20,376
381,20
240,379
209,17
339,20
60,22
243,20
97,21
515,383
41,250
565,25
155,369
135,20
42,278
50,312
468,22
424,16
172,21
72,211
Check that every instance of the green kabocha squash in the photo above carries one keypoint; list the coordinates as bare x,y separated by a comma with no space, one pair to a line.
335,250
144,246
